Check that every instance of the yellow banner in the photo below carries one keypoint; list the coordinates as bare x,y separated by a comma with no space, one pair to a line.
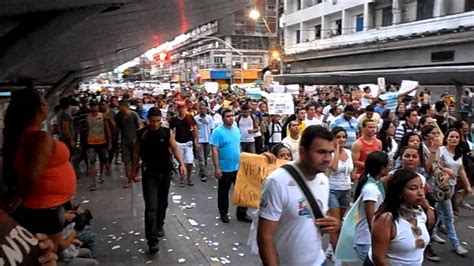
253,170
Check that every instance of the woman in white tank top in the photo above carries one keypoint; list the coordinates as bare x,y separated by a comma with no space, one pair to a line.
403,211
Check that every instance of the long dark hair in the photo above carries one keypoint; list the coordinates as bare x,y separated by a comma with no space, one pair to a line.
382,135
404,143
393,196
374,163
458,149
22,110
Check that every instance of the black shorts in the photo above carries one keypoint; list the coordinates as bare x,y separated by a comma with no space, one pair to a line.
46,221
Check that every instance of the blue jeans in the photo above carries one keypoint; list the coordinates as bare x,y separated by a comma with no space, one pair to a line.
362,250
444,209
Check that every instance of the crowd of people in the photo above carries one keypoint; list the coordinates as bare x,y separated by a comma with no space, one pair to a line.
408,159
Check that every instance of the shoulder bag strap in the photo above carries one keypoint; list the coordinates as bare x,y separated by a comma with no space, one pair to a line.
307,193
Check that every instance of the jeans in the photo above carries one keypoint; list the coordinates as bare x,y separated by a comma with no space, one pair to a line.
156,187
362,250
227,179
248,147
202,155
444,209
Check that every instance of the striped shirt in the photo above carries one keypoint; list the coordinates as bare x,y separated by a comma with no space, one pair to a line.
403,129
350,126
391,99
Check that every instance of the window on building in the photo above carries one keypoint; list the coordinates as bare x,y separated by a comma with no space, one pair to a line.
359,23
338,27
424,9
298,4
469,5
387,16
298,36
317,32
218,60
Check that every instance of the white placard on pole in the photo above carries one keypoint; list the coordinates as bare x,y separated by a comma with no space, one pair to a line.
280,104
278,88
211,87
408,85
293,88
309,89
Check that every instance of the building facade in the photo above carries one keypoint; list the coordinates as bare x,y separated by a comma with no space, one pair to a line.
232,49
336,41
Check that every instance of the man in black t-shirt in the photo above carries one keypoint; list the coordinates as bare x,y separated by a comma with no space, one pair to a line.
152,145
186,133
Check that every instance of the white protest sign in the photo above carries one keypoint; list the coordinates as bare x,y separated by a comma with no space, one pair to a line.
211,87
278,89
309,89
408,85
293,88
166,86
381,82
280,104
374,89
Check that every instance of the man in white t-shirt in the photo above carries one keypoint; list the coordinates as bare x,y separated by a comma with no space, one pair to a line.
287,232
292,141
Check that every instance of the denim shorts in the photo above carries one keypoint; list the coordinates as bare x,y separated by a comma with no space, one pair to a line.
339,198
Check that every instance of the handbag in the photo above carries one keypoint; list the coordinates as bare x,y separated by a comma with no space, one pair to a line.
304,188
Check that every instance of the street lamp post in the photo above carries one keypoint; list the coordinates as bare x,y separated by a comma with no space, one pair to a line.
255,15
233,49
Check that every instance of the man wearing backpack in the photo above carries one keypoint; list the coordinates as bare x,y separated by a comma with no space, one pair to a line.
248,125
153,145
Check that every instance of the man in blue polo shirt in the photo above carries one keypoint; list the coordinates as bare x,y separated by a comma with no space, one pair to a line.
348,122
225,142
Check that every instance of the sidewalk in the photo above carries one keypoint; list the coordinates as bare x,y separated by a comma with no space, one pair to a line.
118,222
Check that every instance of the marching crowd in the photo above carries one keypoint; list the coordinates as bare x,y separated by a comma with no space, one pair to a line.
403,161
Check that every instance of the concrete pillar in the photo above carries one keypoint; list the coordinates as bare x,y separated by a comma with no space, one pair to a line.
228,54
368,17
346,22
397,12
324,27
439,8
302,33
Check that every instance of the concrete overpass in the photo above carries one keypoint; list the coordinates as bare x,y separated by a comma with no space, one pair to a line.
56,44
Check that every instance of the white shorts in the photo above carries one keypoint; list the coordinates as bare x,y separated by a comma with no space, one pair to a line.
186,150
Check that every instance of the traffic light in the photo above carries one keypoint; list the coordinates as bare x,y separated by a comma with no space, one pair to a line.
162,57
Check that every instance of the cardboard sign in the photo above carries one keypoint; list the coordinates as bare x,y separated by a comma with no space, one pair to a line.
211,87
408,85
253,170
280,104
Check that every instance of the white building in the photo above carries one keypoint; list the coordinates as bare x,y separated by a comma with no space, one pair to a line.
367,38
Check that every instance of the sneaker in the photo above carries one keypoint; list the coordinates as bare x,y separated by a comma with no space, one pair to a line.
225,219
92,187
244,218
460,250
203,178
467,206
127,185
430,254
330,253
436,238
